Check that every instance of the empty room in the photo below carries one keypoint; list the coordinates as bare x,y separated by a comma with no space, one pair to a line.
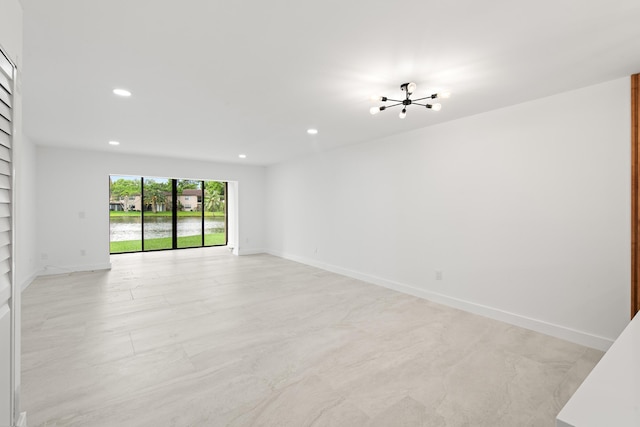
319,213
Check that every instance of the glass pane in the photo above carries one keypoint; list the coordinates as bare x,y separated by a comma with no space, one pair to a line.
125,206
158,226
189,213
215,213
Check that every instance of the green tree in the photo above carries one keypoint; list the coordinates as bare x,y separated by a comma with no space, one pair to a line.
155,193
124,189
187,184
214,196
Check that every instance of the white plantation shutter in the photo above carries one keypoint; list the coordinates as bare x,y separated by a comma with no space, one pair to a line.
6,118
8,298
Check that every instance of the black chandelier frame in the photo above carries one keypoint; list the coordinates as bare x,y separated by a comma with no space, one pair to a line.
408,89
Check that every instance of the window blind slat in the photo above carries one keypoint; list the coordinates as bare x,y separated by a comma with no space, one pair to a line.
5,225
5,182
5,125
5,140
5,266
5,154
5,111
6,66
5,82
5,97
5,196
5,238
5,210
5,283
5,252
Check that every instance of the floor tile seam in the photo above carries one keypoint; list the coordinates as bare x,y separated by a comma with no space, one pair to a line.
87,341
77,364
277,393
132,314
165,280
180,329
173,289
557,363
169,384
78,307
133,347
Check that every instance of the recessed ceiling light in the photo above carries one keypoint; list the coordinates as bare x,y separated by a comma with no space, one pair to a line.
242,156
114,143
122,92
312,131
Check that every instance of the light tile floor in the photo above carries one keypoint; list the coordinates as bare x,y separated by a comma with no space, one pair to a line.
204,338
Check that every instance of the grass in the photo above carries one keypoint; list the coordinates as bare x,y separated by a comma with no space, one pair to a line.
114,214
165,243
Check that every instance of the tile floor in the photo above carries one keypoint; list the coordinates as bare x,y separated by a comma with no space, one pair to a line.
200,337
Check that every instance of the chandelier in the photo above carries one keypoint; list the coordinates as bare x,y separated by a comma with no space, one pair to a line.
408,89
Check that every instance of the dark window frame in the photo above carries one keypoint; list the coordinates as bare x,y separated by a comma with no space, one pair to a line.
174,216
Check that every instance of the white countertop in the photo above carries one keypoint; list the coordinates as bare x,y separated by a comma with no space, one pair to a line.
610,395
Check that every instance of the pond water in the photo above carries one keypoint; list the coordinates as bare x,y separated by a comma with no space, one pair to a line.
129,228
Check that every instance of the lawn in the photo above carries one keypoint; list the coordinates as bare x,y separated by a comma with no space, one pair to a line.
165,243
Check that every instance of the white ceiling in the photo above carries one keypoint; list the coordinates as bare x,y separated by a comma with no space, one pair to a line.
212,79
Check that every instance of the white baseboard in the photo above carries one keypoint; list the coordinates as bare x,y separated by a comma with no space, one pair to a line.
251,251
22,420
29,280
50,270
558,331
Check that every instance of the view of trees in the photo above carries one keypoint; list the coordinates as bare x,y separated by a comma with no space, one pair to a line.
187,184
158,192
214,197
124,189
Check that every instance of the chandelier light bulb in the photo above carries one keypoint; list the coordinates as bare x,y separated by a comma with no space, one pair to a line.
376,98
436,107
403,113
444,95
411,87
374,110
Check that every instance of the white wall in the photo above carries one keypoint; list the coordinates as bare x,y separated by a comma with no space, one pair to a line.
25,247
75,183
26,212
11,29
525,211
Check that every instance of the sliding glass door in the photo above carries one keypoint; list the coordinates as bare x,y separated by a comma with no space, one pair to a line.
189,218
157,215
150,213
215,213
125,214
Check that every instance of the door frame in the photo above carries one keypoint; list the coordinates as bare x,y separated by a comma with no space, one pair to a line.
635,196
